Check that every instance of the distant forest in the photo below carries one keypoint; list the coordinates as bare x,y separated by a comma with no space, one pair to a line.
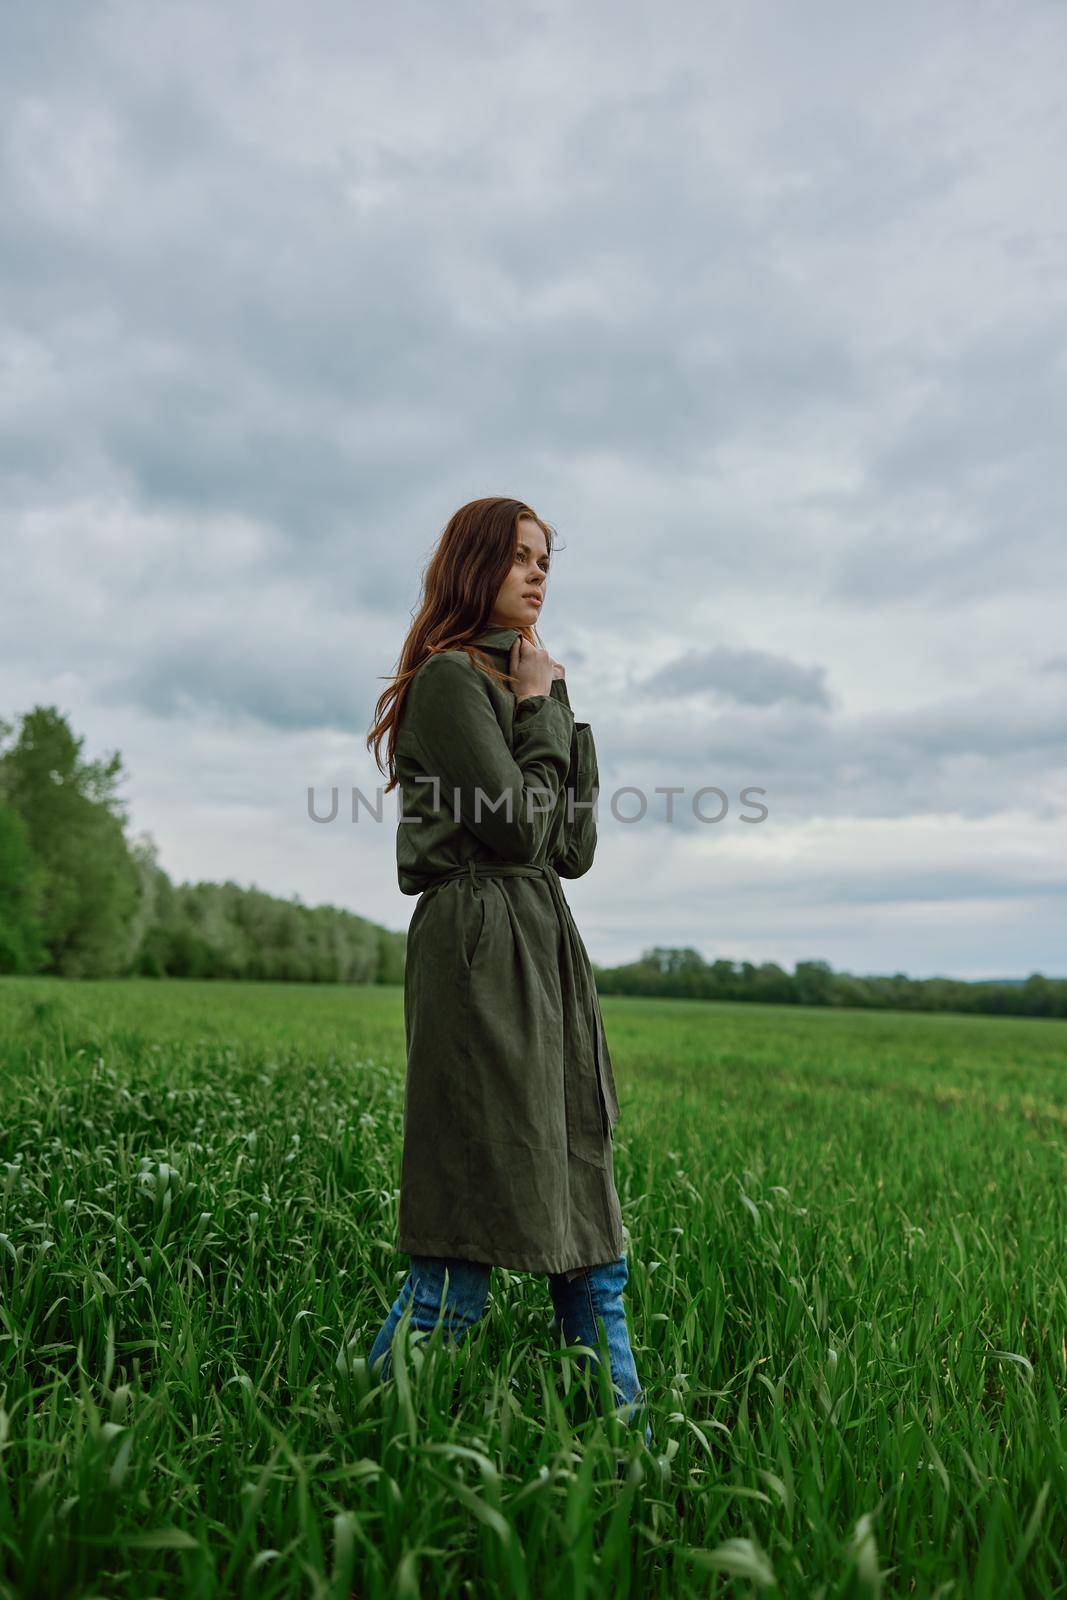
684,974
79,900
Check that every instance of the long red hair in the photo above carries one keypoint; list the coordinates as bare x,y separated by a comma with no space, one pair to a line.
462,580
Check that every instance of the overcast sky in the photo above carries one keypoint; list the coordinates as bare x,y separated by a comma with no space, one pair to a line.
761,305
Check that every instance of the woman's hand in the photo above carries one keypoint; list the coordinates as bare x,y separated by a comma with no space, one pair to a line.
532,670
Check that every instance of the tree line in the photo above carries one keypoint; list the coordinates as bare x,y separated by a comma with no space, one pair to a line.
78,899
683,974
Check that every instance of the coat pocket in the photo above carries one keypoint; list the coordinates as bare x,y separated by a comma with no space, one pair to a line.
475,927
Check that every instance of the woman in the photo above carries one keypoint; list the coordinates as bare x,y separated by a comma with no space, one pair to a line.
510,1101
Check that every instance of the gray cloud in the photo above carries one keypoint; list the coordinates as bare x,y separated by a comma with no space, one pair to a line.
964,758
752,677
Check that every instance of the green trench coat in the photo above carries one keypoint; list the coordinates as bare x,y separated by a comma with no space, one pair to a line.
510,1100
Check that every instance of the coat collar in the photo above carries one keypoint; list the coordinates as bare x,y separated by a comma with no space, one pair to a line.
502,639
495,639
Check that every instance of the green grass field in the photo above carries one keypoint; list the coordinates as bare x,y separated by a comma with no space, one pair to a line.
846,1235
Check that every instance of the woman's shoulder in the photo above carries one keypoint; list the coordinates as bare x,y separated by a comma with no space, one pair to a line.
456,668
441,679
448,658
442,672
447,685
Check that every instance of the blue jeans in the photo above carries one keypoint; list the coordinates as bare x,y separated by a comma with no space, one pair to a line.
594,1296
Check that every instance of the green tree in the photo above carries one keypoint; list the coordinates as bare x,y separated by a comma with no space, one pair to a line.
1039,996
21,943
75,826
814,983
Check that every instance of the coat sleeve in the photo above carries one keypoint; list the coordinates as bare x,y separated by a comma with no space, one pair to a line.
576,847
505,797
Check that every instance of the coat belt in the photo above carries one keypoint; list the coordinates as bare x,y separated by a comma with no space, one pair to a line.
588,1120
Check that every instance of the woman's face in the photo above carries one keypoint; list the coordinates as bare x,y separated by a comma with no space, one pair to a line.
514,606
